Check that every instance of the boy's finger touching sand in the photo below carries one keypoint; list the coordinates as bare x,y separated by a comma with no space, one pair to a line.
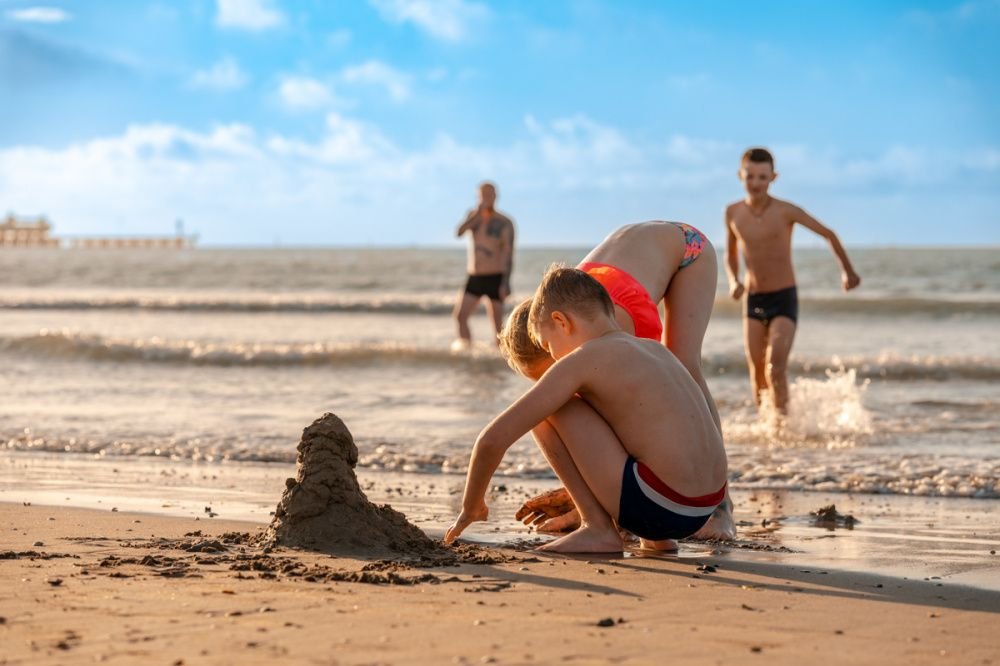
466,518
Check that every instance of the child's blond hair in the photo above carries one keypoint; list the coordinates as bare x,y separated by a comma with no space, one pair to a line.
568,290
516,344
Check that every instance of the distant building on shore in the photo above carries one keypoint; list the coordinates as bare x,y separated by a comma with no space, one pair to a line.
36,233
15,233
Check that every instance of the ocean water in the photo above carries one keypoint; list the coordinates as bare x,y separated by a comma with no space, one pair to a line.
224,355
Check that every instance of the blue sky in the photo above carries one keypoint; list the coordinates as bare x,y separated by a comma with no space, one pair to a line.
371,122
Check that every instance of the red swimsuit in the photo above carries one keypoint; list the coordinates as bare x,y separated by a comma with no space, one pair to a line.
627,293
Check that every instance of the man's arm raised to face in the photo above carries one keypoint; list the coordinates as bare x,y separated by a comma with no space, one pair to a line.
471,222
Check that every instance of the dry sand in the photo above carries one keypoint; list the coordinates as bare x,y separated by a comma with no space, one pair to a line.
335,579
119,588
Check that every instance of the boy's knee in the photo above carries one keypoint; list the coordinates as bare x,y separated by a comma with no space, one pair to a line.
776,369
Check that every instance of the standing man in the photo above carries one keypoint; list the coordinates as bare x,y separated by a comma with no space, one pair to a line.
491,258
760,228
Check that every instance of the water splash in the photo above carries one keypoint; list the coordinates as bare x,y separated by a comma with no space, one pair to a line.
822,413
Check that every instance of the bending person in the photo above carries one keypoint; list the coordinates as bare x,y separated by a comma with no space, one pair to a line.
639,265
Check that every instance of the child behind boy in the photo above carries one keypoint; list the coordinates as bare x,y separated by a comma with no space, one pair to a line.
619,419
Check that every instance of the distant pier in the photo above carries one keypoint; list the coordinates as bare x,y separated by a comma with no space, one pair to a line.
37,233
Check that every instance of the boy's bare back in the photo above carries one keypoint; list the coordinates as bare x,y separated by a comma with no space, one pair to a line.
651,402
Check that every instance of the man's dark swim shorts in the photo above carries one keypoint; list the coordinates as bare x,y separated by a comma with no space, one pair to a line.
485,285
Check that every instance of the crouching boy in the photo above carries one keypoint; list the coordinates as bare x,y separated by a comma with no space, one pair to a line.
619,419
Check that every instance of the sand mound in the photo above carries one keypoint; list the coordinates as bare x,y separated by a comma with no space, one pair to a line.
324,508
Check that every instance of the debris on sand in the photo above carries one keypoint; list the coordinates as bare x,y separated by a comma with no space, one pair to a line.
830,518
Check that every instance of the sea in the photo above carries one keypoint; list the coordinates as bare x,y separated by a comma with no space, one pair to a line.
223,356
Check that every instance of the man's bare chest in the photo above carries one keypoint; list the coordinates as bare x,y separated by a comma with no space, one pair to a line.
490,229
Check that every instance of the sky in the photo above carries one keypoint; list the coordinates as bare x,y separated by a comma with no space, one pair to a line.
371,122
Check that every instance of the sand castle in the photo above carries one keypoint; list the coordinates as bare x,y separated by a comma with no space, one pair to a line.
324,508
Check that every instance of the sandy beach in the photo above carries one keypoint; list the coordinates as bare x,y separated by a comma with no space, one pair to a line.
149,430
87,586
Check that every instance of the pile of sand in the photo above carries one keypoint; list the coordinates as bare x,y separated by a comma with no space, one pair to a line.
325,509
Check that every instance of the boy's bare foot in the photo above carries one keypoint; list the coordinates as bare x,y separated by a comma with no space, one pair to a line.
664,545
587,539
720,526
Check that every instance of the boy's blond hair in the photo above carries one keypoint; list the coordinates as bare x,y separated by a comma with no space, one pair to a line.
516,345
567,290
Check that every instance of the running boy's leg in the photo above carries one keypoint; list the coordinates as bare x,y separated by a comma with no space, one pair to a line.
781,335
755,341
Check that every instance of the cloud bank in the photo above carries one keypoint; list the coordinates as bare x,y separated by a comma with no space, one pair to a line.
353,183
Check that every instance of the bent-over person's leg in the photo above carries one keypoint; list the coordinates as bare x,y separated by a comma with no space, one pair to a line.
688,304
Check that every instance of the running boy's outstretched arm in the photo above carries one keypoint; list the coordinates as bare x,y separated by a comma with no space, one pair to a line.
849,278
551,392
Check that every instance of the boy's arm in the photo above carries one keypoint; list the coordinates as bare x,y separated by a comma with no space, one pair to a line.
552,391
849,278
732,259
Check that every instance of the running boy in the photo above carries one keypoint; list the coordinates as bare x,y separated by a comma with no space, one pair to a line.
621,421
760,228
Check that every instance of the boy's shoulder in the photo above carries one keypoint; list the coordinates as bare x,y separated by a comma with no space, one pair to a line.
619,347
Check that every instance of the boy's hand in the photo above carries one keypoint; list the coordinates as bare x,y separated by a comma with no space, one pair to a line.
736,290
541,509
850,280
465,519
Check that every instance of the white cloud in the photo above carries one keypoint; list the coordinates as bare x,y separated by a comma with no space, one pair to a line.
396,83
448,20
304,94
346,142
39,15
249,14
224,75
568,180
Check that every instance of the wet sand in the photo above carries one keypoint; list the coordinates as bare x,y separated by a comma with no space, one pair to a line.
941,540
88,586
